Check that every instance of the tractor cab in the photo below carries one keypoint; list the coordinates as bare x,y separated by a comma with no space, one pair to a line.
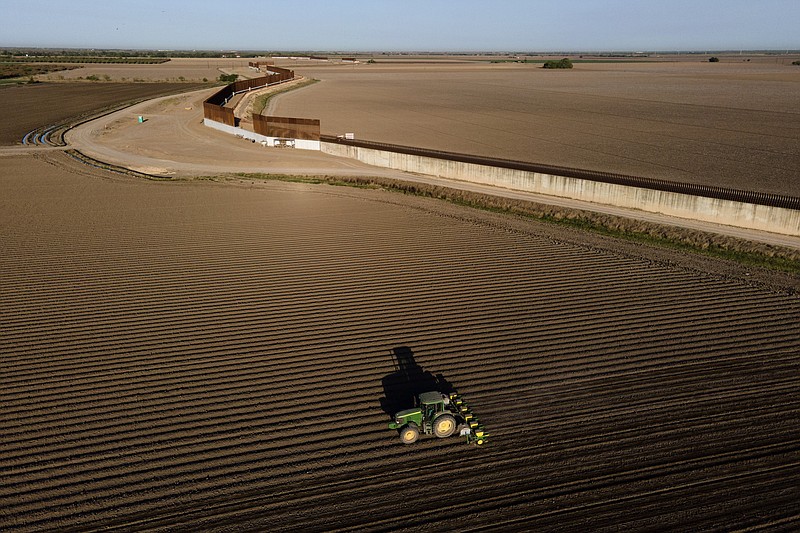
431,404
434,401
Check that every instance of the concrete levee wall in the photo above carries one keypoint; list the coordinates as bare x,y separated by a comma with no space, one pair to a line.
729,212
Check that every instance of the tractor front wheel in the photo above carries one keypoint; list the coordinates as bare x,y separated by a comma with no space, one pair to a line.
409,434
444,426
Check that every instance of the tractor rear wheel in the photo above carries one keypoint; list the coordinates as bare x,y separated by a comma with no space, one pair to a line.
409,434
444,426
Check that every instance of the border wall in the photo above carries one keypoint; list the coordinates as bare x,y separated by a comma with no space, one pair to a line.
292,132
287,127
259,65
745,209
218,113
265,140
214,106
285,72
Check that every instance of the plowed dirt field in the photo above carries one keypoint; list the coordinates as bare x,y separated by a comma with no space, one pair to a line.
27,107
730,124
216,356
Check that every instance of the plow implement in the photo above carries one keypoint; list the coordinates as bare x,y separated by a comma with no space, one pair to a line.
473,430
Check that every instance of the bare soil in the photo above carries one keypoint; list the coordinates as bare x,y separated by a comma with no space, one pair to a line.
27,107
174,142
200,355
207,356
731,124
27,70
190,69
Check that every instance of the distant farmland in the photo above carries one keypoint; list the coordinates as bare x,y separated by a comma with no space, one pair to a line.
726,124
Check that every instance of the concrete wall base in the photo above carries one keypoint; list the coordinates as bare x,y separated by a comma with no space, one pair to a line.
727,212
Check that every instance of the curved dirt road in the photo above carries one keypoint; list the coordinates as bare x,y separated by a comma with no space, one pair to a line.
174,142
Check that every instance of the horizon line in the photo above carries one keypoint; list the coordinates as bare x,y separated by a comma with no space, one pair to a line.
415,51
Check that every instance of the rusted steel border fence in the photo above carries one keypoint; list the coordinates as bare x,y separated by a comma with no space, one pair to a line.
214,106
259,64
287,127
288,74
708,191
256,83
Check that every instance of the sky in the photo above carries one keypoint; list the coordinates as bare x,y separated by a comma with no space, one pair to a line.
403,25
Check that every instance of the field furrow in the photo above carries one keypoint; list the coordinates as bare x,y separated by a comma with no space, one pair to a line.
200,355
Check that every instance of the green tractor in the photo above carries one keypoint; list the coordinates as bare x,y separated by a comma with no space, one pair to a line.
438,414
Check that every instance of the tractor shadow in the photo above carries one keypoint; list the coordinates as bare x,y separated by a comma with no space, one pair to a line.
401,387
